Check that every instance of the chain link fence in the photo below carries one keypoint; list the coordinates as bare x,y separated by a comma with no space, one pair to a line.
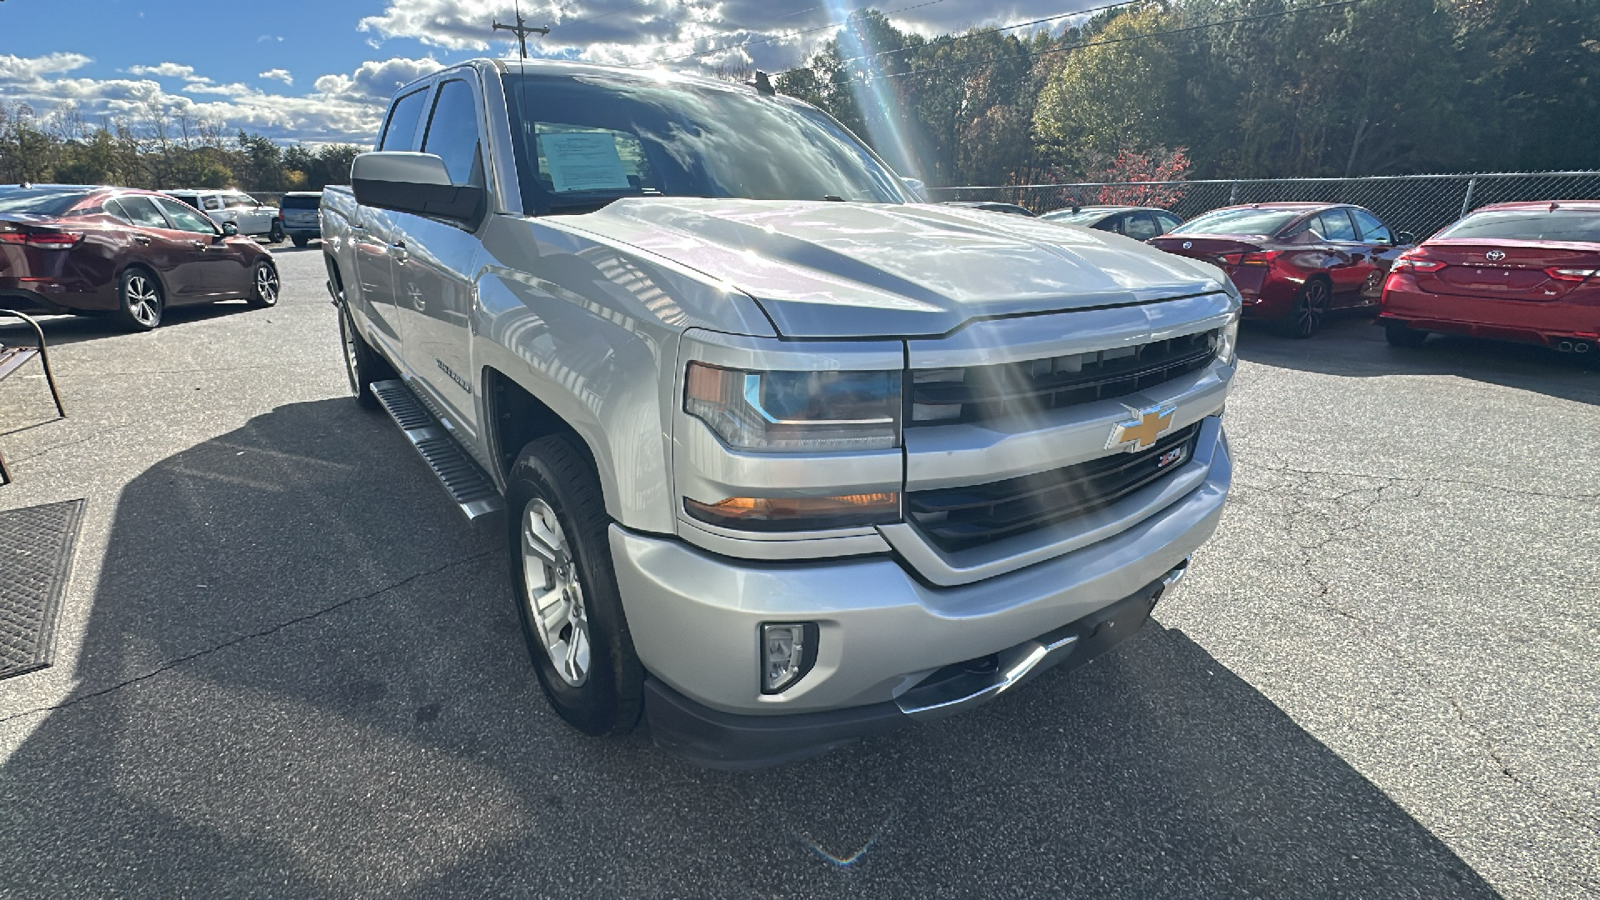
1420,204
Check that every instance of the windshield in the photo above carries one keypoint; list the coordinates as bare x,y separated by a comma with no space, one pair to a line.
585,139
1529,225
1081,217
38,202
1240,221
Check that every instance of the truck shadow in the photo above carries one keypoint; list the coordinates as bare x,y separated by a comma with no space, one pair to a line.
1355,347
302,676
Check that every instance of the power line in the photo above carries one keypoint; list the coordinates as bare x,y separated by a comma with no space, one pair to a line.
776,37
1137,37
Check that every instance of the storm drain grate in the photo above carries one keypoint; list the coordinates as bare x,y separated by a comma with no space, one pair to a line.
36,544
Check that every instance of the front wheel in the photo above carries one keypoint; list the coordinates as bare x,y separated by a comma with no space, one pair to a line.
1309,308
1399,334
566,589
141,300
263,286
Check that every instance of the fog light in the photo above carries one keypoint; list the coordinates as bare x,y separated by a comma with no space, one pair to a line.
788,651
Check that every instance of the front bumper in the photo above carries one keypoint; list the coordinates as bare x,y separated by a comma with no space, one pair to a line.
695,616
720,740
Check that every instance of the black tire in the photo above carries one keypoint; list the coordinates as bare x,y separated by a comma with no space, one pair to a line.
555,472
141,299
276,234
300,240
1400,334
362,364
1309,308
264,286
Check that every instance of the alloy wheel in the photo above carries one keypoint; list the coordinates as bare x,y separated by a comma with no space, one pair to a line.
554,593
144,301
267,285
1308,312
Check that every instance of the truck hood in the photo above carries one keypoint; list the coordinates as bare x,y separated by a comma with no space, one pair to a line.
838,270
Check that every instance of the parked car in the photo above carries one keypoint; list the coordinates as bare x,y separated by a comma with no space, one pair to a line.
1138,222
1515,271
300,218
776,471
249,215
1294,262
992,206
83,249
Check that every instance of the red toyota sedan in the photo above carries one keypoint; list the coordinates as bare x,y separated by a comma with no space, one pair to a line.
1515,271
79,249
1293,262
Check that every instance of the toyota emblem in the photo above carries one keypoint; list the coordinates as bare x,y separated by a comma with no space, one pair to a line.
1495,255
1189,245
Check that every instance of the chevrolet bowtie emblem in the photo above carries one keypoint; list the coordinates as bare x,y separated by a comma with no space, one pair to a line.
1139,432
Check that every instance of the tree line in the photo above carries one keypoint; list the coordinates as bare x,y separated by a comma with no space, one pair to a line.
158,149
1226,89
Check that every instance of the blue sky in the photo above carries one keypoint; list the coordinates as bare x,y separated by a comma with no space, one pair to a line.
321,71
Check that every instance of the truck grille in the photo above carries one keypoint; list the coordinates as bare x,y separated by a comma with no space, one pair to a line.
976,393
957,518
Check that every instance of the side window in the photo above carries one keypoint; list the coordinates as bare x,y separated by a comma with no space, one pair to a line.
453,133
1372,231
185,218
211,202
241,201
141,212
1336,225
402,125
1167,221
1141,226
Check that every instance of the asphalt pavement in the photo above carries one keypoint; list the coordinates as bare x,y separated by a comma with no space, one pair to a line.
288,668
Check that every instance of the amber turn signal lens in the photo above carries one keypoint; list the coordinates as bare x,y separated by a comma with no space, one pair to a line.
797,513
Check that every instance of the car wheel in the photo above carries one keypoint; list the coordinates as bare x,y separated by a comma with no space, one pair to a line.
300,240
263,286
566,589
1401,335
1307,311
362,364
141,299
276,234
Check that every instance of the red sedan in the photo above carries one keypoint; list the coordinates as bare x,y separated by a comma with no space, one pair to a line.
76,249
1293,262
1516,271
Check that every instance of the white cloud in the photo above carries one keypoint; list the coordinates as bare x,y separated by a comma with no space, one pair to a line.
163,70
277,75
340,107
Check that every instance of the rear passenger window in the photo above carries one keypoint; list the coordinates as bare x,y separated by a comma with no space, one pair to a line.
138,210
1336,225
453,133
401,128
1140,226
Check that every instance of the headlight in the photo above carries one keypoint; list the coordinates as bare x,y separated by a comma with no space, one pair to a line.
1228,341
796,411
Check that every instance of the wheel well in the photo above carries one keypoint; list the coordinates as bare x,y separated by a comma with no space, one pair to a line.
145,268
516,418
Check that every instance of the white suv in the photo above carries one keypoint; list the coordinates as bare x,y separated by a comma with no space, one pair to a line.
247,214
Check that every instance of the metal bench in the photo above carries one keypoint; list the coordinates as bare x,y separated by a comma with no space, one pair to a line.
13,358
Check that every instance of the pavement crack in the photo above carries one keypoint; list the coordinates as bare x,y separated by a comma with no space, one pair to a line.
240,639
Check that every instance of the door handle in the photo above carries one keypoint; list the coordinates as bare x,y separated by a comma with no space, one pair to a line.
141,239
198,245
397,251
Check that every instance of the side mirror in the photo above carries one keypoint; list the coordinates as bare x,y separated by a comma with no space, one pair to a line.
1405,237
412,183
229,229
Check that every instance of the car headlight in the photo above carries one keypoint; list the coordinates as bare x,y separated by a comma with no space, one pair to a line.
1228,341
796,411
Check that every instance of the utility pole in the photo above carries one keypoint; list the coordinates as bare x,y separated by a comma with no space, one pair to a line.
522,31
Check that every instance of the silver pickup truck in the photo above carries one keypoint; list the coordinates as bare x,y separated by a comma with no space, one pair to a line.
784,458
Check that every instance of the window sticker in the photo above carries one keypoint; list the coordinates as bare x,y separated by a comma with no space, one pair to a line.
583,161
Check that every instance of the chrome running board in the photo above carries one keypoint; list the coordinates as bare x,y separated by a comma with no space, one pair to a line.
466,482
